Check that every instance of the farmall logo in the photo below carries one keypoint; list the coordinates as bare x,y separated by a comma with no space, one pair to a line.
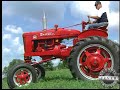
46,34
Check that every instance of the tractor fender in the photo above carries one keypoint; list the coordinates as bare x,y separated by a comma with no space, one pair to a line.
93,32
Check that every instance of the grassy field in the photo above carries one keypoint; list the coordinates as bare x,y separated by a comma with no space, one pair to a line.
61,79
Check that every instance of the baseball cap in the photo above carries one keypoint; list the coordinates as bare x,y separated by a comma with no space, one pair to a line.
97,2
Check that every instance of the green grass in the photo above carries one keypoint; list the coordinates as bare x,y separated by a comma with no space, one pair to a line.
61,79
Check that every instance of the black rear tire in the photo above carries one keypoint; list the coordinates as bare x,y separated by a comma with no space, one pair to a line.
12,71
117,46
72,59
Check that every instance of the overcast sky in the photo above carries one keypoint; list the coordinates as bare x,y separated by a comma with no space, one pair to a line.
25,16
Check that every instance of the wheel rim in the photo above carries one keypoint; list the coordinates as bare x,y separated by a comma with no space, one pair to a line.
92,59
22,77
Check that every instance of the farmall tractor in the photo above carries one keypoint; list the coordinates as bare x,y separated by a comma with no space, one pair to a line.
91,52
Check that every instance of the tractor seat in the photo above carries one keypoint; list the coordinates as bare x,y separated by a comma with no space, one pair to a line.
103,27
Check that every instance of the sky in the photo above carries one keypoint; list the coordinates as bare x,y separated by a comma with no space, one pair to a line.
25,16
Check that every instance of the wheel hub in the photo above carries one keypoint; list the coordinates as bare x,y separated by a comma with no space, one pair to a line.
22,77
95,62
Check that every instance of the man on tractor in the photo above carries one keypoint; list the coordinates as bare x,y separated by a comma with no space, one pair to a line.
100,18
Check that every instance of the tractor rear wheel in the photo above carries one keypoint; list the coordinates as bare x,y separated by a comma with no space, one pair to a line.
91,55
21,75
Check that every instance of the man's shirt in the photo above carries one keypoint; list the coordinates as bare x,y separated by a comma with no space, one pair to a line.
102,14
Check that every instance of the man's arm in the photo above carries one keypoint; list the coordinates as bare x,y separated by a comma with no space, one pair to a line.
95,21
94,17
92,22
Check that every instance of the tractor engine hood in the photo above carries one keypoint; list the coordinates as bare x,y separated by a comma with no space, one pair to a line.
52,33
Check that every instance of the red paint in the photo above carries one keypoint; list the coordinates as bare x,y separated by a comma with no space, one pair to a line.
22,77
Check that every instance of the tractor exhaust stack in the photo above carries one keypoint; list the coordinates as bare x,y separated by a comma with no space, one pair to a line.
44,21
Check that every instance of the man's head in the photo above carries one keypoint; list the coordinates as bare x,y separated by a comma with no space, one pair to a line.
98,5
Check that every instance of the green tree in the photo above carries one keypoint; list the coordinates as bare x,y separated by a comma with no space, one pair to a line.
5,70
12,63
62,64
48,65
65,64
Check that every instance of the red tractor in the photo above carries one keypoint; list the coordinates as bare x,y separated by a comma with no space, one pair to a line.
91,52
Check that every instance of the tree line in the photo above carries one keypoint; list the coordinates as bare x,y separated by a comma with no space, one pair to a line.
47,65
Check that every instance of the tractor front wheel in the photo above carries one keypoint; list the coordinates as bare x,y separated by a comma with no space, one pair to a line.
91,55
40,71
21,75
